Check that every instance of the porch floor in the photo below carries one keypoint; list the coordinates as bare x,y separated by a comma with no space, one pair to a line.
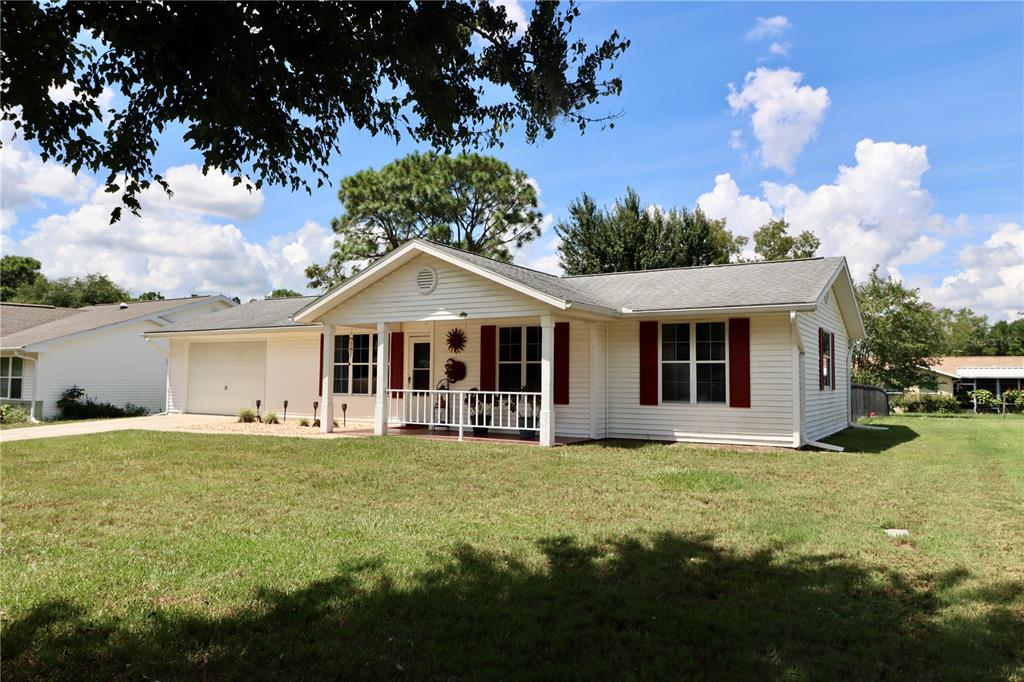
453,434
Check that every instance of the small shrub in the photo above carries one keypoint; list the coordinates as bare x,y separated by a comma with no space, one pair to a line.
984,398
303,422
246,415
1014,397
271,418
12,414
75,404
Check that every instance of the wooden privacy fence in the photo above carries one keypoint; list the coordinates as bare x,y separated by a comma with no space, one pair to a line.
866,401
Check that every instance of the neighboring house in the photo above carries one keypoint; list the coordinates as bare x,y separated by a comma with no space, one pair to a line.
45,350
752,353
957,375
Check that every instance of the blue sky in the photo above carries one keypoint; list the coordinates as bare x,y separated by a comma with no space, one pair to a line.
922,102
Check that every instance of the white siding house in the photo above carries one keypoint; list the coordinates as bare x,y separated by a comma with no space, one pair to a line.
98,348
720,354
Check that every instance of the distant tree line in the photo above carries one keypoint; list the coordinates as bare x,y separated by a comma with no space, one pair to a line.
22,281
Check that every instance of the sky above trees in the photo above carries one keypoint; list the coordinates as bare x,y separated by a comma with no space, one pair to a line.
893,132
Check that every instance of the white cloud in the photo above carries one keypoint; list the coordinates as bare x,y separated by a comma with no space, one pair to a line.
768,27
25,179
736,142
743,214
785,115
212,194
991,280
780,49
875,212
174,247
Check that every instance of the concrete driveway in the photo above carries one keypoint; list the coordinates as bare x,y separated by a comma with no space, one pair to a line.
160,422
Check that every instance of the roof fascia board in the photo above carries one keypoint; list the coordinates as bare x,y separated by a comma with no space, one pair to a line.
769,308
160,333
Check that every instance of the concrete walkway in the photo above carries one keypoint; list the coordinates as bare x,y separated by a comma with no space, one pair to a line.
161,422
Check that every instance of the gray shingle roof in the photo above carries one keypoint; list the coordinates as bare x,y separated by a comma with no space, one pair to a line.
715,286
259,314
15,317
89,318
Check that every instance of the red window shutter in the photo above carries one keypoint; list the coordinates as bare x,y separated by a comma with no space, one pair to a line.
832,357
320,377
488,357
821,359
648,363
739,362
561,363
397,370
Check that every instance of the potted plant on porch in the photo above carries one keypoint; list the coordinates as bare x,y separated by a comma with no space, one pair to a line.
479,413
528,414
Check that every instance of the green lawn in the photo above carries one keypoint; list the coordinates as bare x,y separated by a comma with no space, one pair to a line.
141,555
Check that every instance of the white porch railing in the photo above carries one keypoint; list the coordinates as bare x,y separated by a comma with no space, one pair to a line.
511,410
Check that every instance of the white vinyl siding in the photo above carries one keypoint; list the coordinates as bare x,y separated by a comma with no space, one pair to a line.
768,421
396,298
114,365
826,411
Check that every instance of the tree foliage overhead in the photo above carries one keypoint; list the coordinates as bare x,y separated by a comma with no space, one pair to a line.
904,335
772,241
474,202
264,89
631,236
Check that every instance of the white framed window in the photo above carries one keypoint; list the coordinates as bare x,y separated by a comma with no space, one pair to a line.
519,358
355,364
826,359
694,365
11,371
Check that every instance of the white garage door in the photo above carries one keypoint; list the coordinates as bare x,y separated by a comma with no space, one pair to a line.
225,377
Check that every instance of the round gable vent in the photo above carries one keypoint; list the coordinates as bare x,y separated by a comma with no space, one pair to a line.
426,280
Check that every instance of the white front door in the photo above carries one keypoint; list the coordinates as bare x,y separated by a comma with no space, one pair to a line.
419,377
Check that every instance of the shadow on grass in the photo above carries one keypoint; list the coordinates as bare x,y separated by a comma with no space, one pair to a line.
670,607
870,441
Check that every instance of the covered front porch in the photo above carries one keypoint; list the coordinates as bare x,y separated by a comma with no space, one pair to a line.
488,378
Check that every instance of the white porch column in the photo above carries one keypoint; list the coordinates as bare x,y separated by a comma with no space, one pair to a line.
380,416
327,382
547,380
